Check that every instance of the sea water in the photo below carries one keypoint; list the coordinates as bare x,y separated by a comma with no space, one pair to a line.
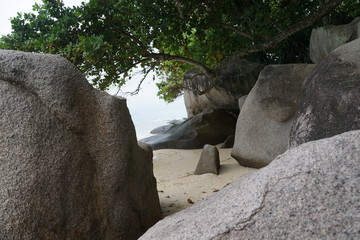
146,109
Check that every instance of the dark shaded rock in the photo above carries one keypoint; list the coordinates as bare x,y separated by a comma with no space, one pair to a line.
171,124
211,127
325,39
310,192
209,161
332,101
161,129
70,166
241,101
235,80
229,142
263,126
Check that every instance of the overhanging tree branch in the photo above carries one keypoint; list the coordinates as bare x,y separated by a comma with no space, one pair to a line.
196,89
212,74
216,21
167,57
137,90
306,22
135,64
104,40
132,37
206,71
238,31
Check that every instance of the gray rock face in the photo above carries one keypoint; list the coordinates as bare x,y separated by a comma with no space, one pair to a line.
164,128
325,39
263,126
209,161
331,104
161,129
236,80
310,192
210,127
70,166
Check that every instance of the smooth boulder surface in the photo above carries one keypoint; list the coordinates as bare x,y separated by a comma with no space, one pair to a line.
325,39
310,192
236,79
210,127
263,126
70,165
331,104
209,161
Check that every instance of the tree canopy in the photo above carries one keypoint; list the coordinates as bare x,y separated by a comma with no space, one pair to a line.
107,40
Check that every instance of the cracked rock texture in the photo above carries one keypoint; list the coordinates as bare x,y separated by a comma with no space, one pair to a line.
235,80
70,165
331,104
309,192
263,126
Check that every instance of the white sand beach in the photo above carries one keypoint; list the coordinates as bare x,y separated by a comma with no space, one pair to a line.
177,185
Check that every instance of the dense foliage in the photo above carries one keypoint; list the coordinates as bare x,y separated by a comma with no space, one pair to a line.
108,39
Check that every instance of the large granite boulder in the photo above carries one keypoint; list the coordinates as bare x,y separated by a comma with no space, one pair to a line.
210,127
236,79
70,165
310,192
263,126
331,104
325,39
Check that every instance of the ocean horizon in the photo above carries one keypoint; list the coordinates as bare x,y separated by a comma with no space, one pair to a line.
147,110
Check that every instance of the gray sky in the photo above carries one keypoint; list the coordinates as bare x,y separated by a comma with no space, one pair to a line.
147,110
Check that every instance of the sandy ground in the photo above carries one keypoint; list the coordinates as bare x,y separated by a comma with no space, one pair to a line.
177,185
